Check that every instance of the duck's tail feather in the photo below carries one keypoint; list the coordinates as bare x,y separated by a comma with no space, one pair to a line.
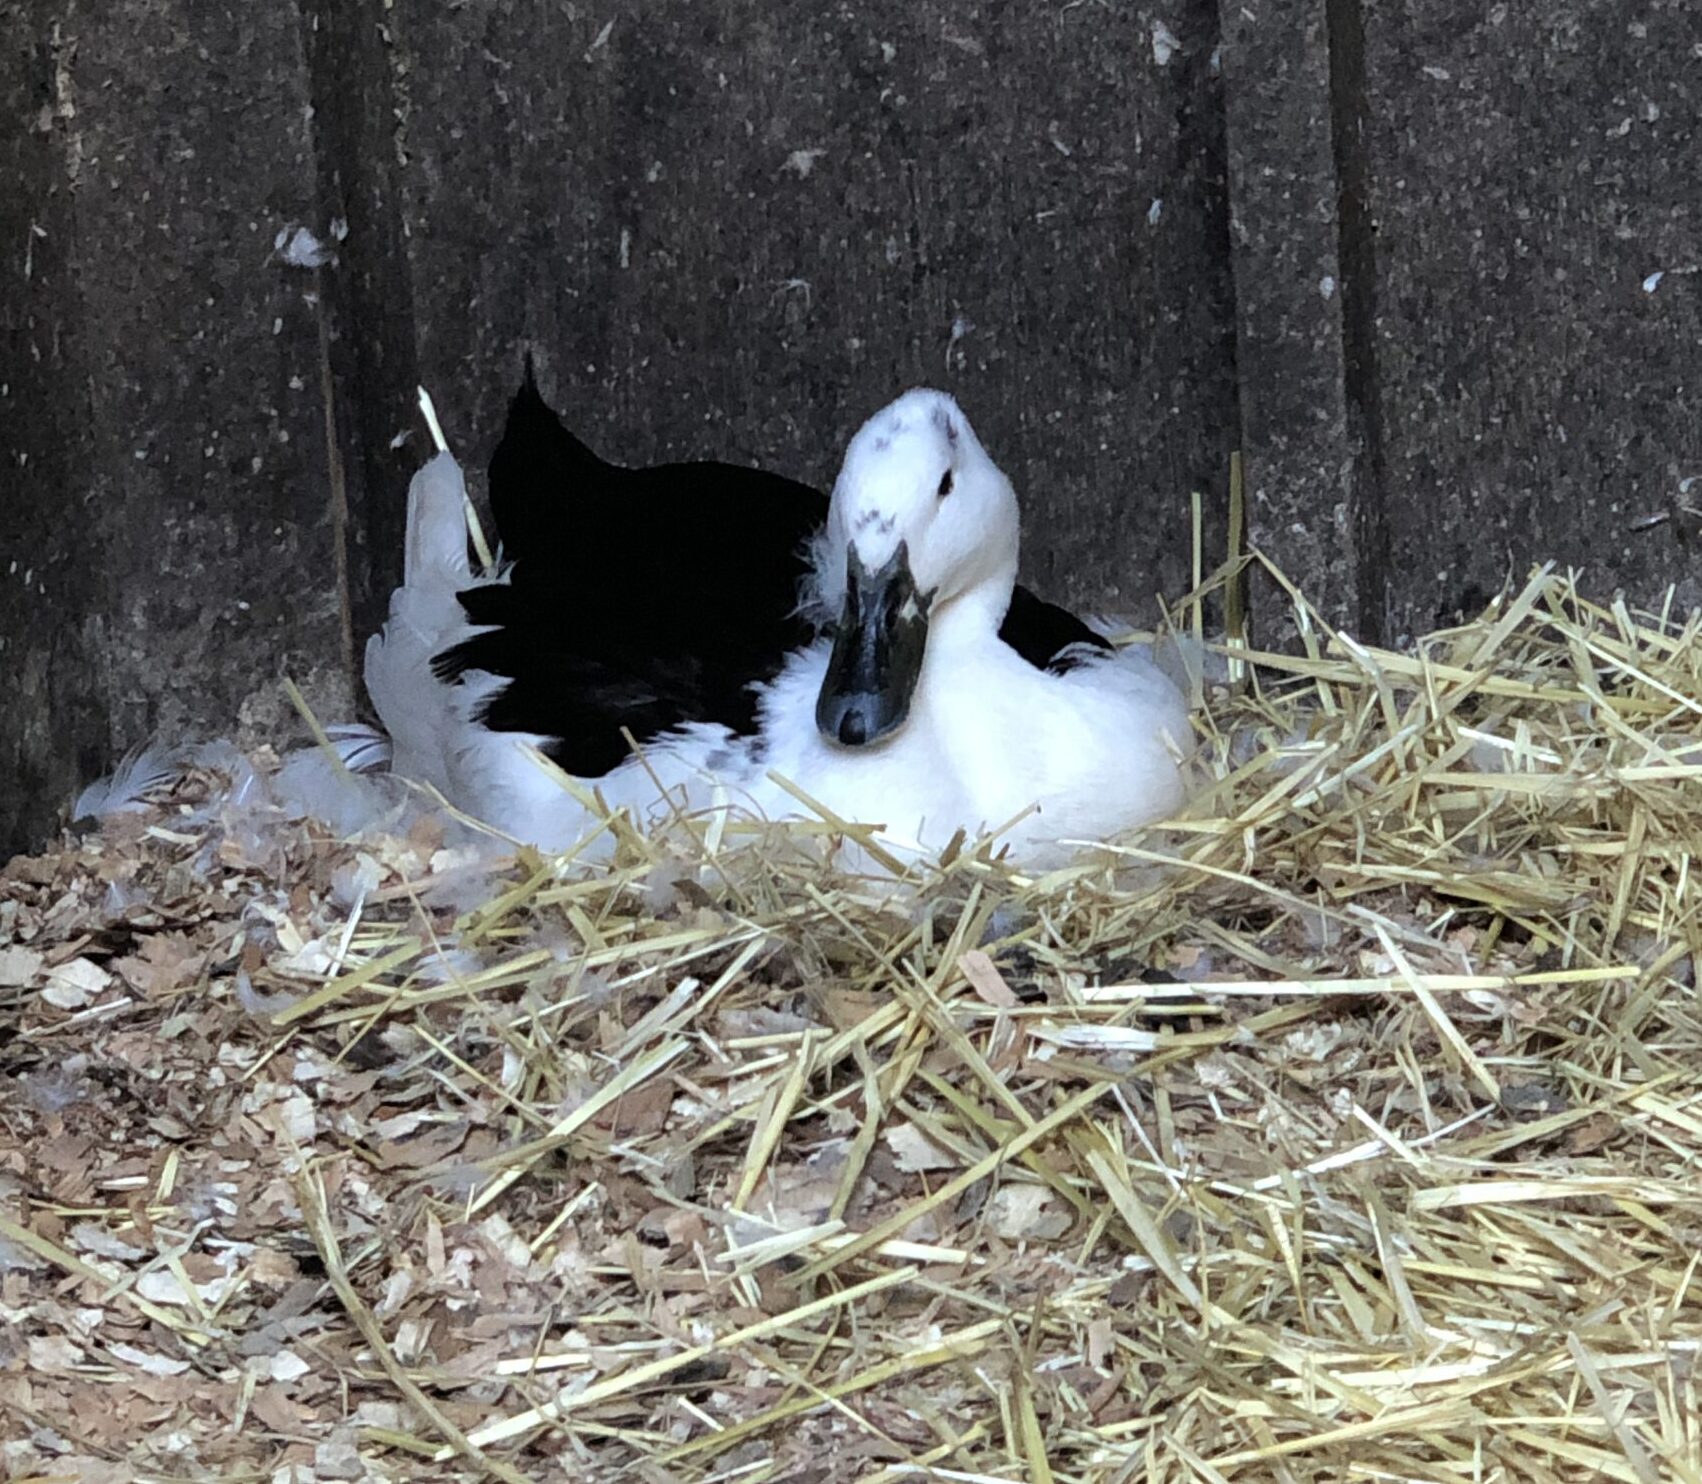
436,550
425,616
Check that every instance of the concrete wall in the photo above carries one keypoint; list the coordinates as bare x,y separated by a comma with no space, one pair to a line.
1401,256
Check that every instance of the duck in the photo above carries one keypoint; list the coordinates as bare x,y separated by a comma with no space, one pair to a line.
914,709
679,637
720,554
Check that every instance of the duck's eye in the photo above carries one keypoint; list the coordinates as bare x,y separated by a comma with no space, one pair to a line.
945,484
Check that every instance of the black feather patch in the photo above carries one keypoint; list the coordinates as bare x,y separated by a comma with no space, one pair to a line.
1043,633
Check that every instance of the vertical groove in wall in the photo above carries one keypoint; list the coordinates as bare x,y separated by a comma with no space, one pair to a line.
368,309
1203,140
56,725
1357,256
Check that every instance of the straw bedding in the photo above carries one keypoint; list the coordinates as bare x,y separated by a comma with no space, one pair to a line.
1347,1130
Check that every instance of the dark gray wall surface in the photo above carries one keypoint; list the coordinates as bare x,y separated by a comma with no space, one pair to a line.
54,723
736,230
165,486
1539,389
1303,486
1396,253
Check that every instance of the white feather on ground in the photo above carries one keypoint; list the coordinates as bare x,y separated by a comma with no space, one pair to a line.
314,785
363,749
124,791
346,787
254,1002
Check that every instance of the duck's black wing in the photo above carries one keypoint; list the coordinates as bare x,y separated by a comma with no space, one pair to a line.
585,704
707,543
1047,636
646,598
639,598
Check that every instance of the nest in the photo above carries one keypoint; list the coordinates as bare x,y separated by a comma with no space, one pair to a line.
1348,1128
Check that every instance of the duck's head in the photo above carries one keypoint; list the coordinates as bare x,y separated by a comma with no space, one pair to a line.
921,520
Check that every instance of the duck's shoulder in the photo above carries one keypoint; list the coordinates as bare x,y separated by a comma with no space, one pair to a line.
1048,636
1127,677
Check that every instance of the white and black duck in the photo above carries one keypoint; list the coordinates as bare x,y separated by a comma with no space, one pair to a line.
873,648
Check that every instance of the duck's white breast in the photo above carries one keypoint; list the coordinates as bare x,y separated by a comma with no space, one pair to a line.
1088,753
906,784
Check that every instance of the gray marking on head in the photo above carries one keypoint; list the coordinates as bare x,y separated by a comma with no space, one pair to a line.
946,425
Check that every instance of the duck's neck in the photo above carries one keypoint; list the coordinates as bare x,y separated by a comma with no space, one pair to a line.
973,616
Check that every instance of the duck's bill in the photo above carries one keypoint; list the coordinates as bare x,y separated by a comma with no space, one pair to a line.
877,653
